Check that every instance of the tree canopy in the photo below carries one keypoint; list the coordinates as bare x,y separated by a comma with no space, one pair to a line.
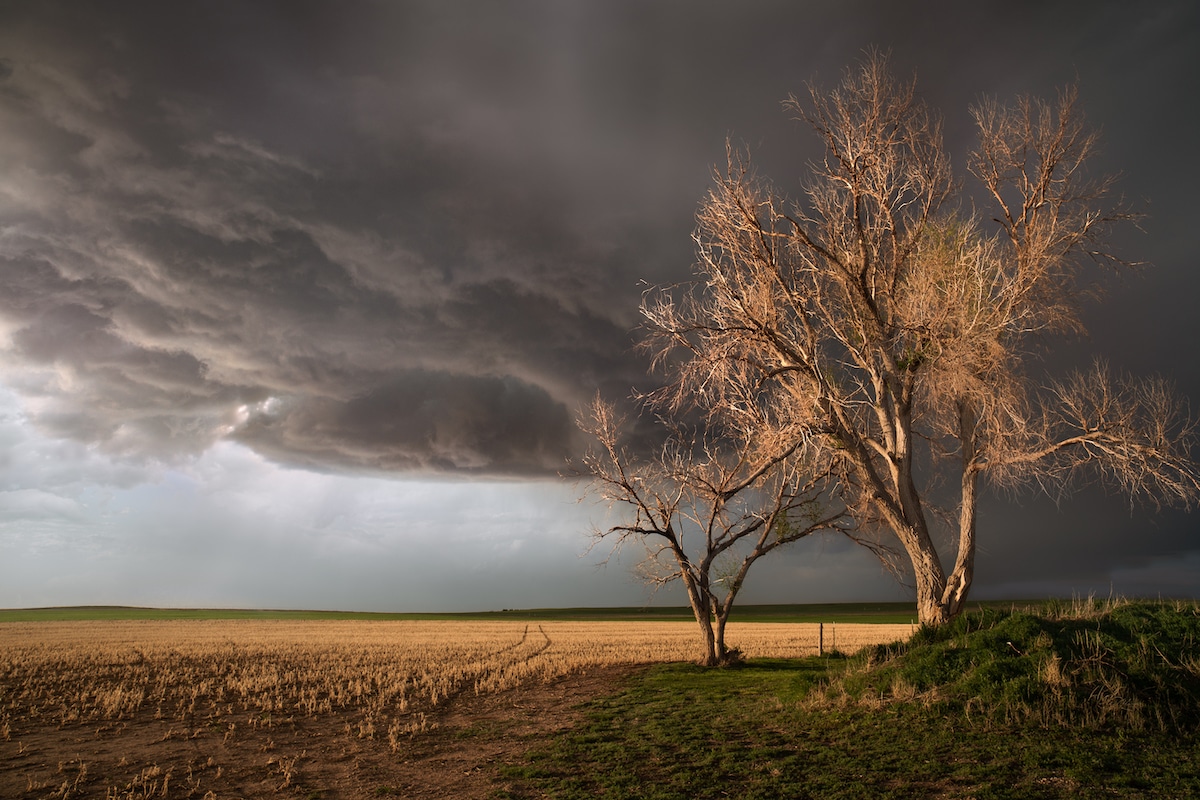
887,328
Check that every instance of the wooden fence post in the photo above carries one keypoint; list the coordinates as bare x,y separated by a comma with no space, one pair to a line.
821,639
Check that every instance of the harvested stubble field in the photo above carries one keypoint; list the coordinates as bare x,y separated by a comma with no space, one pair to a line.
324,709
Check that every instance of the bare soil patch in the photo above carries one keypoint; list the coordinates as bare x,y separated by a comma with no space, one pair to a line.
328,756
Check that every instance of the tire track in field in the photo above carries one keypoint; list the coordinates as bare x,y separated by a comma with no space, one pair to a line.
495,663
518,659
541,648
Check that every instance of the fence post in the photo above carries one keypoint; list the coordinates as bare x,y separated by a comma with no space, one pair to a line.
821,639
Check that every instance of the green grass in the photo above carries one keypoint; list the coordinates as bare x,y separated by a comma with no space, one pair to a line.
826,612
96,613
823,612
834,728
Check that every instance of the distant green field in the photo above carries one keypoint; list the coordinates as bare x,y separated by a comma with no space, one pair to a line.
826,612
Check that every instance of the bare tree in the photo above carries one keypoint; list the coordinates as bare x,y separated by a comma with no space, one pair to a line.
894,335
704,511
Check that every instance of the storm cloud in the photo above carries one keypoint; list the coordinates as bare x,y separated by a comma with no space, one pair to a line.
410,239
377,243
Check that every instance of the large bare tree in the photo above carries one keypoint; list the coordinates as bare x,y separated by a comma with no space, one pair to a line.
886,335
707,508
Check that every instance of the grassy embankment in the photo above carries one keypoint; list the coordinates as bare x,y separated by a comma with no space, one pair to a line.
1089,700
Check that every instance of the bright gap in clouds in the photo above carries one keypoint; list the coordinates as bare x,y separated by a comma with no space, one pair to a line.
232,529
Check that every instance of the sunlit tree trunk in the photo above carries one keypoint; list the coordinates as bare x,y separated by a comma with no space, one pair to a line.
702,610
958,585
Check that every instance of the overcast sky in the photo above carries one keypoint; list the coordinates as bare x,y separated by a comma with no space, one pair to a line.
300,299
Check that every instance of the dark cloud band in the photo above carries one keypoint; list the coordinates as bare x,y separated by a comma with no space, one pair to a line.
426,422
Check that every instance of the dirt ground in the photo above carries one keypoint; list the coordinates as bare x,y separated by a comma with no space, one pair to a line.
327,756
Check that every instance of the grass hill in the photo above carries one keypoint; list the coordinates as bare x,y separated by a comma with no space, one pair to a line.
1135,665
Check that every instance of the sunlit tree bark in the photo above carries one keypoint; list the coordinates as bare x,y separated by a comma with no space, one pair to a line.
895,335
704,511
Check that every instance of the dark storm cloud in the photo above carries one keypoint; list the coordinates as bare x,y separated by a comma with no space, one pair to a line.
413,236
180,255
421,422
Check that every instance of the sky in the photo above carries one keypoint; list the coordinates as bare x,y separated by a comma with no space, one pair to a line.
300,300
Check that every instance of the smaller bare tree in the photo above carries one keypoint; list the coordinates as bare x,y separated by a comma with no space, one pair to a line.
706,509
